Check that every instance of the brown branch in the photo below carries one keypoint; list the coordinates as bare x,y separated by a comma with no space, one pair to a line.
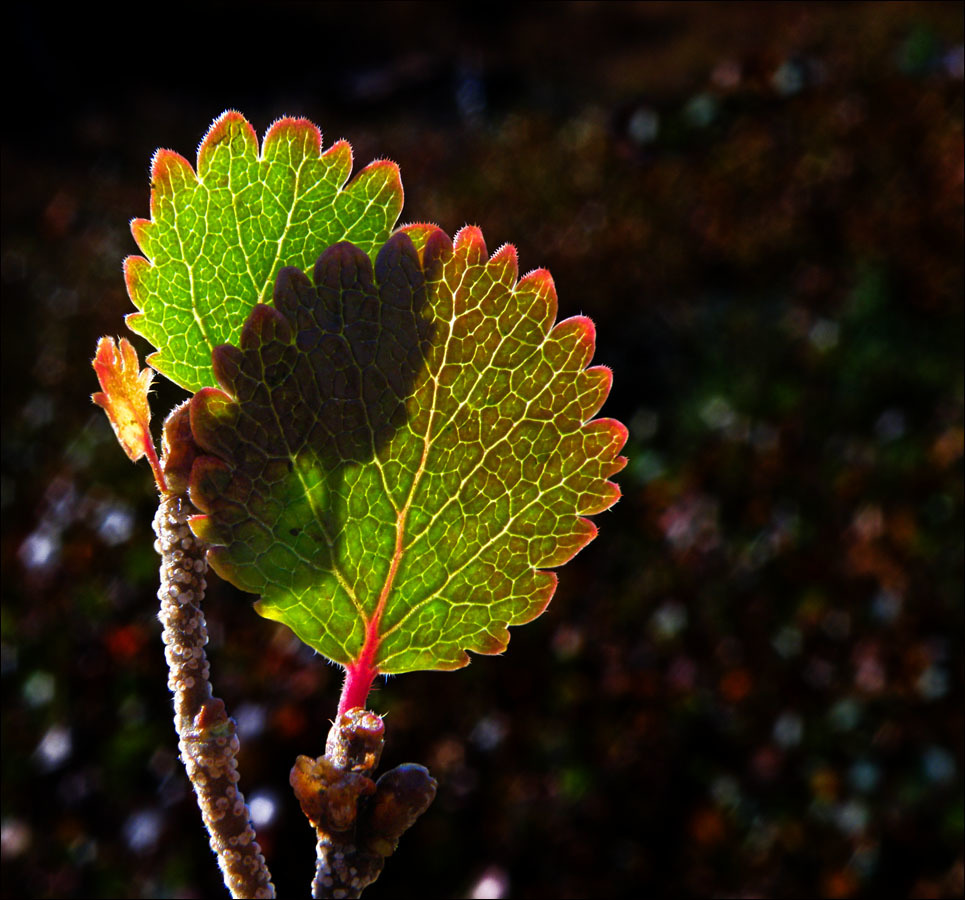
208,742
357,822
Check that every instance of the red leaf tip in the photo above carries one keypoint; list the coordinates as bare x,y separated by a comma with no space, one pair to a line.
585,326
470,245
378,165
166,167
540,282
507,259
224,122
229,122
506,251
293,126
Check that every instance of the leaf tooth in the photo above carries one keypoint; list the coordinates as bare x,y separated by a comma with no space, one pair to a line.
422,234
340,155
152,358
397,270
586,333
595,387
602,441
539,593
228,125
207,406
135,267
209,478
134,321
169,170
142,230
606,495
264,324
575,336
226,568
539,277
539,285
491,643
505,264
292,289
469,246
568,545
617,465
292,130
343,266
438,250
226,363
617,431
379,179
610,434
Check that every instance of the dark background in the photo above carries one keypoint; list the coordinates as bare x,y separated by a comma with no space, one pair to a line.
751,682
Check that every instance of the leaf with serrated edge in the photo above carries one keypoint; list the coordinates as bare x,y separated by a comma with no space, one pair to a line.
124,397
394,463
217,237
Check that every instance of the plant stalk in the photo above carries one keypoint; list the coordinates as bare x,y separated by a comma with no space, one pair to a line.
355,689
207,736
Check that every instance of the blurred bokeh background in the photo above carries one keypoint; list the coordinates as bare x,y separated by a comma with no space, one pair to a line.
751,683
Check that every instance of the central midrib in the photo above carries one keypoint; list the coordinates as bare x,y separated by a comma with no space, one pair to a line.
372,626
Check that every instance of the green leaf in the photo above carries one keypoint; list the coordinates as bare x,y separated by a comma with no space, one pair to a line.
395,460
217,238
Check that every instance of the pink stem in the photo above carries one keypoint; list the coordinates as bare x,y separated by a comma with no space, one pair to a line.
358,682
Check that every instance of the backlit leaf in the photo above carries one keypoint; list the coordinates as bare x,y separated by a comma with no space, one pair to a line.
393,462
218,236
125,386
